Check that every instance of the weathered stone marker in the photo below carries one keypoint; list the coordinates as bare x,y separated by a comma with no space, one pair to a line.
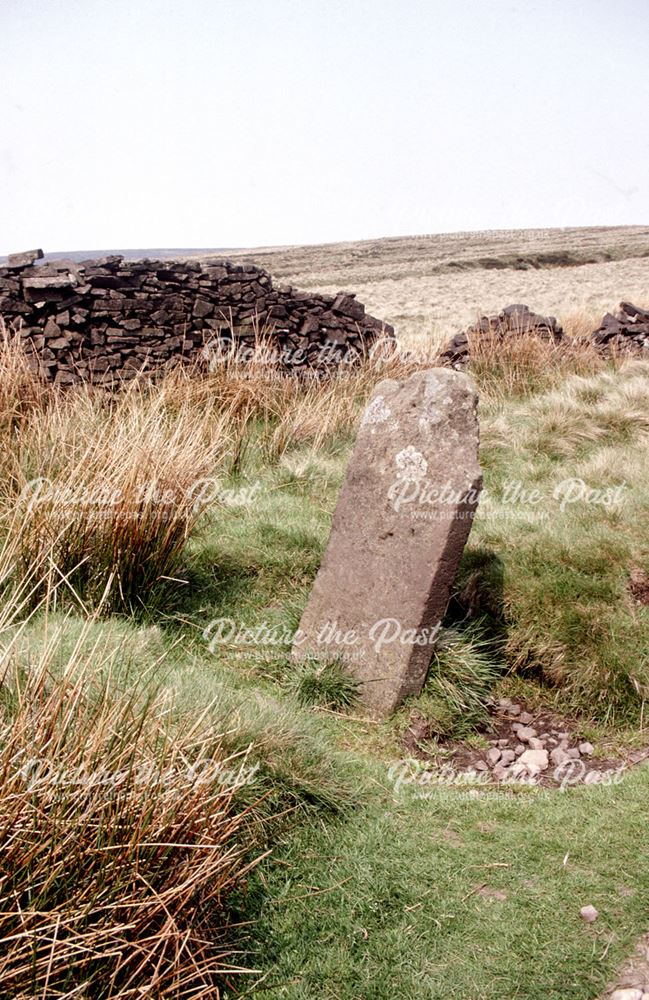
400,526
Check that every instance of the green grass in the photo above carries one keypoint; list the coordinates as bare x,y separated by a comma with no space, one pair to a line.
299,767
546,577
566,558
376,895
404,899
397,915
462,676
327,684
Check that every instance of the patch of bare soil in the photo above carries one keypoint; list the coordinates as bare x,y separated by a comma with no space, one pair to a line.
633,980
639,586
524,747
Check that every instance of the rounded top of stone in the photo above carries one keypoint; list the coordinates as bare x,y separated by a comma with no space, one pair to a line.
448,377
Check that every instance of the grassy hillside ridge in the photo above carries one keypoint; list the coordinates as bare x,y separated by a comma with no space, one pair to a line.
367,260
429,287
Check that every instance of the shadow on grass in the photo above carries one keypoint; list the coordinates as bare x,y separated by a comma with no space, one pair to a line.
478,593
265,574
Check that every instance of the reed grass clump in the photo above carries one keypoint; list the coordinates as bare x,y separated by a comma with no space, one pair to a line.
122,837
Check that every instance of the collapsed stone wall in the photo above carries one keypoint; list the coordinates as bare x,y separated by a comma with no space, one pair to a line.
627,331
106,319
512,321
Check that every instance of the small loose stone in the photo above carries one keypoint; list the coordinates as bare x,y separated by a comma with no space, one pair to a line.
534,760
589,914
525,733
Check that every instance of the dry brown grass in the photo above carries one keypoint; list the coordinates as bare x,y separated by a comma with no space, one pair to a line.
123,826
103,491
523,365
122,837
302,408
21,391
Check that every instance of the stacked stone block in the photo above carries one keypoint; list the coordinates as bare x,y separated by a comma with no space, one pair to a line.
104,320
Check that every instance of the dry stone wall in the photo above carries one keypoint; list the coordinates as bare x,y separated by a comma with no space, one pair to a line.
625,332
104,320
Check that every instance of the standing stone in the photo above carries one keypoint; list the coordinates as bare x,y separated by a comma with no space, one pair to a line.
400,526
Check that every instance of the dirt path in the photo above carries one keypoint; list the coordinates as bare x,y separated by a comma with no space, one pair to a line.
633,980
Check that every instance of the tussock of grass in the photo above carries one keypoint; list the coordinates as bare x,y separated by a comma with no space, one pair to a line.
137,794
460,681
301,768
107,492
294,411
122,839
327,684
21,390
297,765
523,365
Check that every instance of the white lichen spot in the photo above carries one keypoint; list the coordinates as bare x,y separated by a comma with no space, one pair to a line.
429,418
411,465
432,384
377,412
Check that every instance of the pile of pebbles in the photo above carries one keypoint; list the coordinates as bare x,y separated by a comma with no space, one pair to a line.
536,749
522,749
529,752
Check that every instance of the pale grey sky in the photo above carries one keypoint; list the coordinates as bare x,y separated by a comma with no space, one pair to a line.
152,123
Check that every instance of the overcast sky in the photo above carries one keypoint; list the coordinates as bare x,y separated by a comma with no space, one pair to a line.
222,123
